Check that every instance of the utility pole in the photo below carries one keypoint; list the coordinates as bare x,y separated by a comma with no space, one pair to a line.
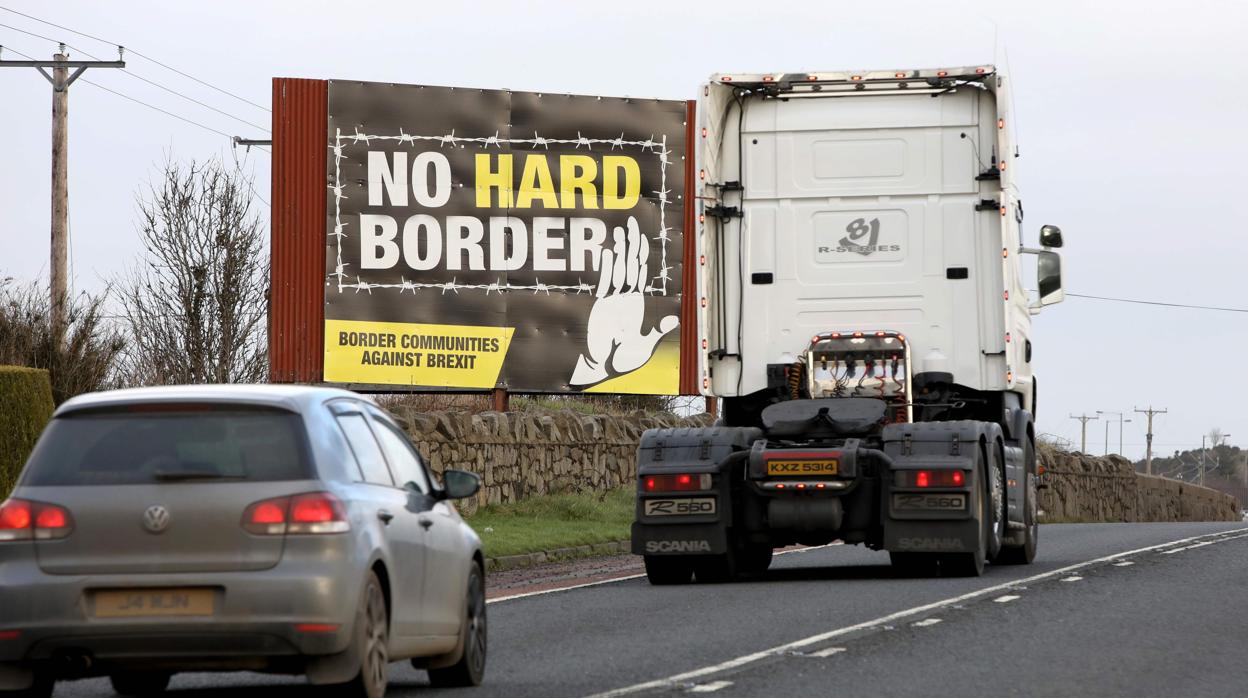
1202,460
61,79
1083,430
1107,431
1148,438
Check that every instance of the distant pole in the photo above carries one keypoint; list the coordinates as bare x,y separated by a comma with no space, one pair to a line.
1148,454
1107,430
712,407
502,400
1202,460
1106,438
1083,430
61,79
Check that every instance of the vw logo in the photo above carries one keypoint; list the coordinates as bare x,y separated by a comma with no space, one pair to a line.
156,519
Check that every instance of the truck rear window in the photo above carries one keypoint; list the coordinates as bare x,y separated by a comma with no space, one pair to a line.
169,444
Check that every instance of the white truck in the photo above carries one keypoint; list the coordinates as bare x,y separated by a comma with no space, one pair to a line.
865,320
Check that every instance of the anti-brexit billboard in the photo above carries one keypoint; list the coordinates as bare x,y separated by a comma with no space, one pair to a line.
481,239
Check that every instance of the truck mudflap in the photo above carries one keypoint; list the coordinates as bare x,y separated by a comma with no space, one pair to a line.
932,488
679,539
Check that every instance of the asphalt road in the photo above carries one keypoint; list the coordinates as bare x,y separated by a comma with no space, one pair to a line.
836,620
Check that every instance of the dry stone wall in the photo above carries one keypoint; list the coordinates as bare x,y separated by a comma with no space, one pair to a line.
521,455
1088,488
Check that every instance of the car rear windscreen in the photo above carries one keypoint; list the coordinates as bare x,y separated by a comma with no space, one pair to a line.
161,443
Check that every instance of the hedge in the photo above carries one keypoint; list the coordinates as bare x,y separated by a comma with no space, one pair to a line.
25,408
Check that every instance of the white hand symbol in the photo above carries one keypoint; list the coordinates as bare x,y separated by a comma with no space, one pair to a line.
616,342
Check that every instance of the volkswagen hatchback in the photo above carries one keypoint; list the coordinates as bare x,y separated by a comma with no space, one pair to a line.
226,528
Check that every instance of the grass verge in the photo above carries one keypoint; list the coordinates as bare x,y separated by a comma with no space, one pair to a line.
554,521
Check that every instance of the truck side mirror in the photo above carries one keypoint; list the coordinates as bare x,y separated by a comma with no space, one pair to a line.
1050,236
1049,276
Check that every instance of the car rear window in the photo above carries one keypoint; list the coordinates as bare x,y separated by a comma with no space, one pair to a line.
170,444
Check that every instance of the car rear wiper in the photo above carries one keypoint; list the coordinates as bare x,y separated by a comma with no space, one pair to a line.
184,475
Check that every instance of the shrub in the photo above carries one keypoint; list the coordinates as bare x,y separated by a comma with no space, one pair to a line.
25,408
82,362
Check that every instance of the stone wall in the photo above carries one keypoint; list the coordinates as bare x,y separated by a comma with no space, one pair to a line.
1088,488
521,455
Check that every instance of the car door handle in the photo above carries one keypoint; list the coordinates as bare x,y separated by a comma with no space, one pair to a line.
385,516
425,522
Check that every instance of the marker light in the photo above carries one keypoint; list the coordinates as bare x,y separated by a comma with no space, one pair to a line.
931,478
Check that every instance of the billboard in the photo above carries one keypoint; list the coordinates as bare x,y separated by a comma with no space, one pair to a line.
481,239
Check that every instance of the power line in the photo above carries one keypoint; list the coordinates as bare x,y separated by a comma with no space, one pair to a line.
1169,305
140,55
136,76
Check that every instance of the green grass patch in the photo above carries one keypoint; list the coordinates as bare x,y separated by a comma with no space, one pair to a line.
554,521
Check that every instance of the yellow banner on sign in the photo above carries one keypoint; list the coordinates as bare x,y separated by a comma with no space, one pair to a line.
399,353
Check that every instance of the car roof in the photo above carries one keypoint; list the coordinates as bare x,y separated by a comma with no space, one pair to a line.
296,398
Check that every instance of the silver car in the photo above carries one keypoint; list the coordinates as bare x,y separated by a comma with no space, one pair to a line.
226,528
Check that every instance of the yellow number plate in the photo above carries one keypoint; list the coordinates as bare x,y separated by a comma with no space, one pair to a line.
829,466
131,603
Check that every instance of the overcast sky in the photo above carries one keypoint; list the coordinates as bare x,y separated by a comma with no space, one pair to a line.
1130,119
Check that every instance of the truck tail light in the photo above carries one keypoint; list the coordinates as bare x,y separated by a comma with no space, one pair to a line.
24,520
931,478
676,483
301,514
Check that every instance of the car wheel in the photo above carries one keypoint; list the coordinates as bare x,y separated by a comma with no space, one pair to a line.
470,669
140,684
41,688
663,570
370,644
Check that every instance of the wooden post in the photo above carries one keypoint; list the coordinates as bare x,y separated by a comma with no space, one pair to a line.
712,407
502,400
60,197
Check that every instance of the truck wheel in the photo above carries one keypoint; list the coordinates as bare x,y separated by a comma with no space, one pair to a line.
997,506
663,570
716,569
1025,553
754,559
915,564
972,564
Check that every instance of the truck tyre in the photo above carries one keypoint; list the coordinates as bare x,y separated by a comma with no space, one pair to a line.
997,505
754,559
716,569
1026,553
972,564
914,564
663,570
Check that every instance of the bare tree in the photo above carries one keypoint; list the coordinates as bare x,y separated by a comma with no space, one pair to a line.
195,304
1216,437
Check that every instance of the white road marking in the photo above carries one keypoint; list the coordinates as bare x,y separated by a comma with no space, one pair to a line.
1124,563
625,578
710,687
744,660
826,652
926,622
1072,578
1006,598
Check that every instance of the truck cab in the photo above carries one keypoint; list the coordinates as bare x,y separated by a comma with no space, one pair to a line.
865,318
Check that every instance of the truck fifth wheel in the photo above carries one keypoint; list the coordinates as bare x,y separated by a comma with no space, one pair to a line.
865,320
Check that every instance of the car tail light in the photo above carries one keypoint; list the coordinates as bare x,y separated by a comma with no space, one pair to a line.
931,478
25,520
677,483
316,628
311,513
10,634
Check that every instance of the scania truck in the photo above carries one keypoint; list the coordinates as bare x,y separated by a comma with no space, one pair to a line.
866,322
